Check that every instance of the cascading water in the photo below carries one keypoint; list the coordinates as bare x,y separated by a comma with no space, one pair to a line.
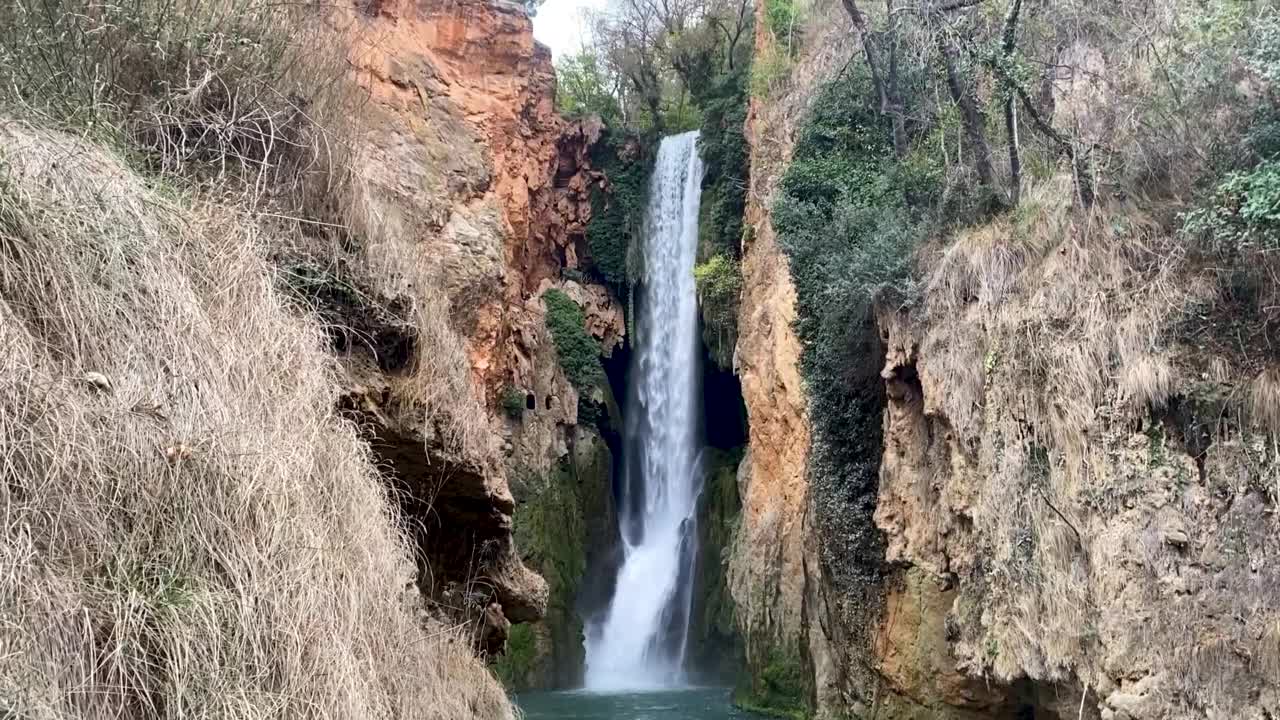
640,641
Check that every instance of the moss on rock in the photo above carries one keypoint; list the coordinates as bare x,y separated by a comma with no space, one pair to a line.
717,647
779,689
556,519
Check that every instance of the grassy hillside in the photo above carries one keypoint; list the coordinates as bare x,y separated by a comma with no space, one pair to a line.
188,528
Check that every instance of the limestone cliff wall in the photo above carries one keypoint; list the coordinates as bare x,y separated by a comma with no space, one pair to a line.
474,192
1078,507
774,574
1078,480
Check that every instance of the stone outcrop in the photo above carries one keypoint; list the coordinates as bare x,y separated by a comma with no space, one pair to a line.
477,192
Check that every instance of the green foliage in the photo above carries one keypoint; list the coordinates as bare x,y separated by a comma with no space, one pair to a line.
768,70
559,520
582,88
718,516
513,402
515,666
617,213
550,531
1241,214
780,689
785,22
579,353
1244,211
719,282
844,220
724,152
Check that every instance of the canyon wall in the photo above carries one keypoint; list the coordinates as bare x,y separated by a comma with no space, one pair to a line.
774,573
1076,502
486,188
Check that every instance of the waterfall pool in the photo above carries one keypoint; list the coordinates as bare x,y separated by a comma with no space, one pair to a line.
674,704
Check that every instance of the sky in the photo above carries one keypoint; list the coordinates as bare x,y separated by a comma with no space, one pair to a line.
560,26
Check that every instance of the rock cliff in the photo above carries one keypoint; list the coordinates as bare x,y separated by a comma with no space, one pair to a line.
485,189
774,573
1077,492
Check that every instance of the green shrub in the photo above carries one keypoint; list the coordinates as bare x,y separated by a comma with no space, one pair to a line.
724,152
768,70
515,665
1241,213
780,689
719,283
1244,211
582,88
513,402
617,213
579,353
785,22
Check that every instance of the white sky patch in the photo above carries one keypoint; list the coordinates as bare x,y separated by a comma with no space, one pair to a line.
562,25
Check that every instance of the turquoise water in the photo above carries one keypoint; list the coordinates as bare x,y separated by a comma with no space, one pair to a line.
689,704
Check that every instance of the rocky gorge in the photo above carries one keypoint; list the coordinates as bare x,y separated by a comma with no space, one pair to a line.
979,438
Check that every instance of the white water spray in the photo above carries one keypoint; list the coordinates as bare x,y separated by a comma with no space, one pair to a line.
641,640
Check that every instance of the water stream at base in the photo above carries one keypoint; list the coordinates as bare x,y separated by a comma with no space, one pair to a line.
641,639
680,704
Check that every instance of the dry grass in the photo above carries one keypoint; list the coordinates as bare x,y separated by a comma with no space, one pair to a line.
201,88
1264,400
186,527
440,380
1048,330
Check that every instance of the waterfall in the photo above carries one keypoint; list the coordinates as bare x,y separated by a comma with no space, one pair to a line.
641,638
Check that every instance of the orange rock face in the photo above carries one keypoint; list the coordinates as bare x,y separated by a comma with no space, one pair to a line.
463,99
477,181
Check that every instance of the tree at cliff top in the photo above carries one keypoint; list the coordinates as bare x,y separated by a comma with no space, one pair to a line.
657,54
668,67
583,87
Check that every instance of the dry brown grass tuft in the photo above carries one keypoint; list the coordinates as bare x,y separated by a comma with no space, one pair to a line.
186,527
440,380
213,90
1264,395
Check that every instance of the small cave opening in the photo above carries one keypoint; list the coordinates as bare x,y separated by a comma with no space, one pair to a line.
389,345
530,401
1031,700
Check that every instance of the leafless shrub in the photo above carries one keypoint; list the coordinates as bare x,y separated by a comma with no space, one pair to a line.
208,89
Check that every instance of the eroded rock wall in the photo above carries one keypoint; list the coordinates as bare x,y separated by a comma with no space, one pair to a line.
774,573
1076,504
1114,549
474,194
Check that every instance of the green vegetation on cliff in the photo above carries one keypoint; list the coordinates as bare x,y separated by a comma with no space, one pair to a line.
618,206
558,518
715,647
844,220
779,689
723,146
578,352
